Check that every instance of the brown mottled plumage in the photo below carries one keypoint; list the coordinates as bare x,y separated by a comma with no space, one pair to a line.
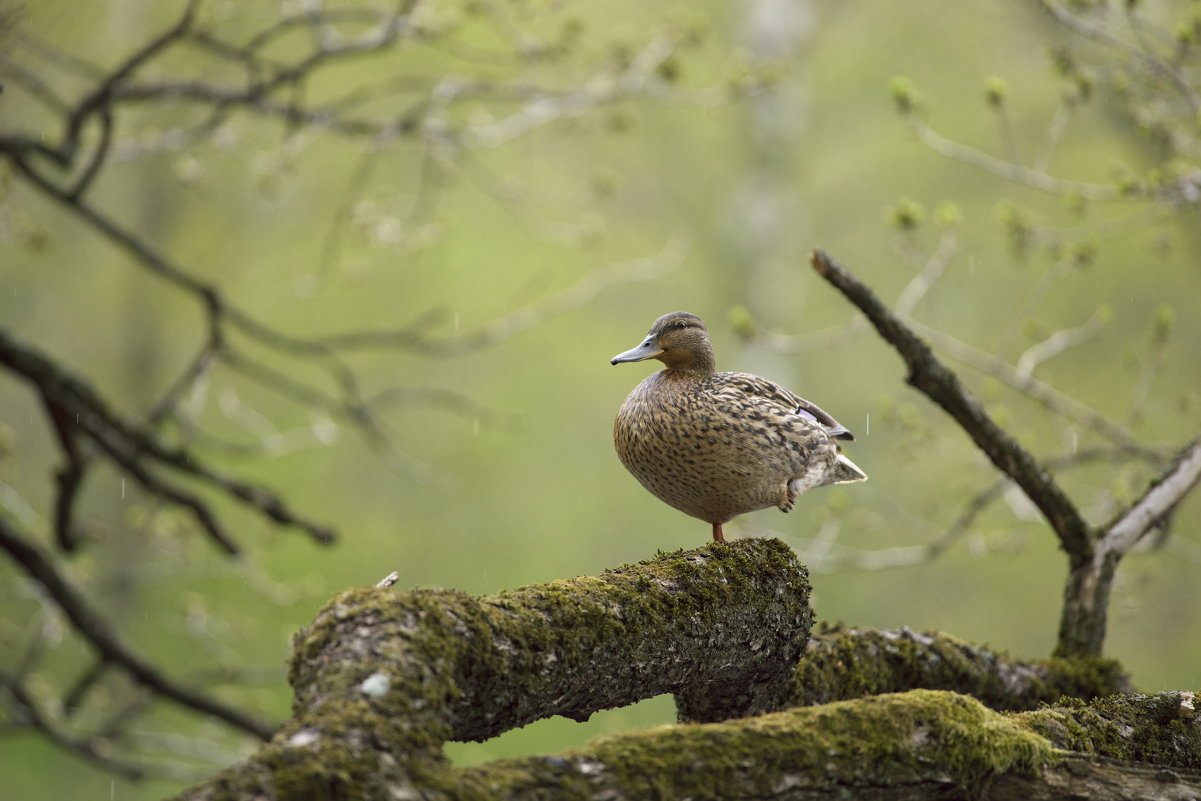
716,445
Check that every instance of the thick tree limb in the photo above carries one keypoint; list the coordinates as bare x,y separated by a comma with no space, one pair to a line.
1163,729
382,678
915,745
1077,778
702,619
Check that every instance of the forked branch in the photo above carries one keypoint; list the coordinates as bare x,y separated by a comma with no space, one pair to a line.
941,385
1093,554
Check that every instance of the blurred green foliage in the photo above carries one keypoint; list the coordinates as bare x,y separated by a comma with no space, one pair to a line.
520,484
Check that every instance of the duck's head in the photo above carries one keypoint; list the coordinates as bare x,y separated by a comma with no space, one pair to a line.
679,340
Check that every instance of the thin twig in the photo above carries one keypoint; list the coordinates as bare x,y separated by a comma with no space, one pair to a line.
1054,135
1032,387
1057,343
1017,173
74,697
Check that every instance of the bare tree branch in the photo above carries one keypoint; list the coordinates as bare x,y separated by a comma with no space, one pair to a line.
1092,555
1007,170
1141,54
1164,103
91,749
1034,388
104,638
822,554
1163,496
929,375
129,446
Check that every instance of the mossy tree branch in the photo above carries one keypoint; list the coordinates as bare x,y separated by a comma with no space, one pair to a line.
915,745
382,679
841,662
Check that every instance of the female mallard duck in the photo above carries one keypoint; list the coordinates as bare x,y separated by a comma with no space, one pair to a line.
716,445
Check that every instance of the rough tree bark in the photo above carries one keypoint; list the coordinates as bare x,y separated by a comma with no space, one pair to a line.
382,679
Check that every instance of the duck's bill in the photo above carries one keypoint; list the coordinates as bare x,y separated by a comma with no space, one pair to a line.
647,350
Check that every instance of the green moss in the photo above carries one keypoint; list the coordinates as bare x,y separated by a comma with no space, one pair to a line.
1083,677
1133,728
825,747
384,678
843,662
406,640
907,738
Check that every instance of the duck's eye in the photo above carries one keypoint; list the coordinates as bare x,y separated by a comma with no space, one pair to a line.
682,324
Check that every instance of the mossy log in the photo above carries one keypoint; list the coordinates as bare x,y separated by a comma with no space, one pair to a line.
382,679
921,744
843,662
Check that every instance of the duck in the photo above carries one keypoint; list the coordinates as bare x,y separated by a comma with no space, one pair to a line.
716,445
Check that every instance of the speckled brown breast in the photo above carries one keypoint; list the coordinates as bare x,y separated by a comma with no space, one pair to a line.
704,446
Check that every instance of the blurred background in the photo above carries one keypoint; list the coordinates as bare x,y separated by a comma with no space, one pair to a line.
566,173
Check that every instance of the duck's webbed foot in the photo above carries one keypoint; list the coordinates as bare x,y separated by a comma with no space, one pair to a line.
789,500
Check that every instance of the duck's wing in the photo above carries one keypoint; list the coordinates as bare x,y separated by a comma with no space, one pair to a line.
756,386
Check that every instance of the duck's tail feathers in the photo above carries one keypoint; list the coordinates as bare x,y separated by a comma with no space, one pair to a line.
846,471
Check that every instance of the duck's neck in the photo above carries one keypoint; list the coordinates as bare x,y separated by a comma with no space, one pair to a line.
694,362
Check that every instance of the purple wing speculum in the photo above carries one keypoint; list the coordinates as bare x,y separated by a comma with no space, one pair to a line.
806,414
832,426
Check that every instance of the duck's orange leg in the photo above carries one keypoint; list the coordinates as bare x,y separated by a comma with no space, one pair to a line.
717,535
